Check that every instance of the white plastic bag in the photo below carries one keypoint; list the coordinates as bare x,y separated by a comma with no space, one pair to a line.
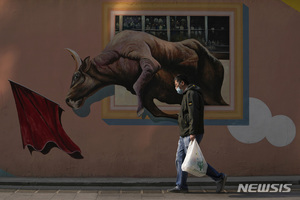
194,162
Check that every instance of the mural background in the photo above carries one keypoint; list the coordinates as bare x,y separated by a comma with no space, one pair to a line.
33,38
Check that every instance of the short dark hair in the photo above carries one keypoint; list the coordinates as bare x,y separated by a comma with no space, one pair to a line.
181,77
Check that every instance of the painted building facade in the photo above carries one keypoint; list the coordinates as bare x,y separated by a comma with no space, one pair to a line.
256,42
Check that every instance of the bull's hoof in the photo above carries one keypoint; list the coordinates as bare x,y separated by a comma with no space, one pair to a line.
140,112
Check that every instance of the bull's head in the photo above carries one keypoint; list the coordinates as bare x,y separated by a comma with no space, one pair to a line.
83,82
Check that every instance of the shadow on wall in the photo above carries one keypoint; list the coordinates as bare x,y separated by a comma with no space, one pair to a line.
108,91
98,96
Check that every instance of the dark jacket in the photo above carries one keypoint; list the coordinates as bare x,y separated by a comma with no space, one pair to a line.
190,118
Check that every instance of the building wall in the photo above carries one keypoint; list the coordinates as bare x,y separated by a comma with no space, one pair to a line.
33,38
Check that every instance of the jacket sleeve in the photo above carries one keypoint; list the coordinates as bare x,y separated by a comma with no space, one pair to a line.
194,112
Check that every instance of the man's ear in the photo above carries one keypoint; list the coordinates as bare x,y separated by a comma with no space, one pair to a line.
86,64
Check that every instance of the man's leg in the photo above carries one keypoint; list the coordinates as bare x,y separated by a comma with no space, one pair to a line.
183,144
180,156
181,179
219,178
214,174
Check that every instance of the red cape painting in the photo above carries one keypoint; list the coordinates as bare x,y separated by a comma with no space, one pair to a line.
40,123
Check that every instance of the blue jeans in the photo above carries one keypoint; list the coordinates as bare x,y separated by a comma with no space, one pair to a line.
182,176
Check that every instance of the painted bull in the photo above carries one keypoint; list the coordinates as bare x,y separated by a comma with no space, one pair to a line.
146,66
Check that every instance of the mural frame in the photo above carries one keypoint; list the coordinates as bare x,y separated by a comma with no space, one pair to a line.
237,113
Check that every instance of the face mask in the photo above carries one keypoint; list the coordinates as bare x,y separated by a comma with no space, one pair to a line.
179,91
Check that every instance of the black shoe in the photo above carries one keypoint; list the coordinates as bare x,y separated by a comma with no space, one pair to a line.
221,184
178,190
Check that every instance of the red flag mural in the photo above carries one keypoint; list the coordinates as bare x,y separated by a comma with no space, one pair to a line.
40,123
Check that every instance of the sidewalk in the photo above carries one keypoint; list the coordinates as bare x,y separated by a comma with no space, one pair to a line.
13,188
137,195
23,182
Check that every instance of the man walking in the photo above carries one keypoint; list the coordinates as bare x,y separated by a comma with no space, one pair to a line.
191,124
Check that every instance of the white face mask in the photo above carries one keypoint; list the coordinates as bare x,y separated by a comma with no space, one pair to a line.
179,91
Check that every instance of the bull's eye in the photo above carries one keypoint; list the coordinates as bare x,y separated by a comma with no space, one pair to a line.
76,77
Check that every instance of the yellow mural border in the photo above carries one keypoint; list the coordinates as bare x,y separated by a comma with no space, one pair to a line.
236,8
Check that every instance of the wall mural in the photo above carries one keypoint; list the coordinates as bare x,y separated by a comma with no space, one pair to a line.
144,54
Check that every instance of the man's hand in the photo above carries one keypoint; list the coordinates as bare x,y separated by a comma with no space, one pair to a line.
192,137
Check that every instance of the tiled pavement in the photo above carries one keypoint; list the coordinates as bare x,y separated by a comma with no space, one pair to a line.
22,188
152,194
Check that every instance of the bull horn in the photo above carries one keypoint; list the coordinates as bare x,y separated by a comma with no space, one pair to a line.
76,57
